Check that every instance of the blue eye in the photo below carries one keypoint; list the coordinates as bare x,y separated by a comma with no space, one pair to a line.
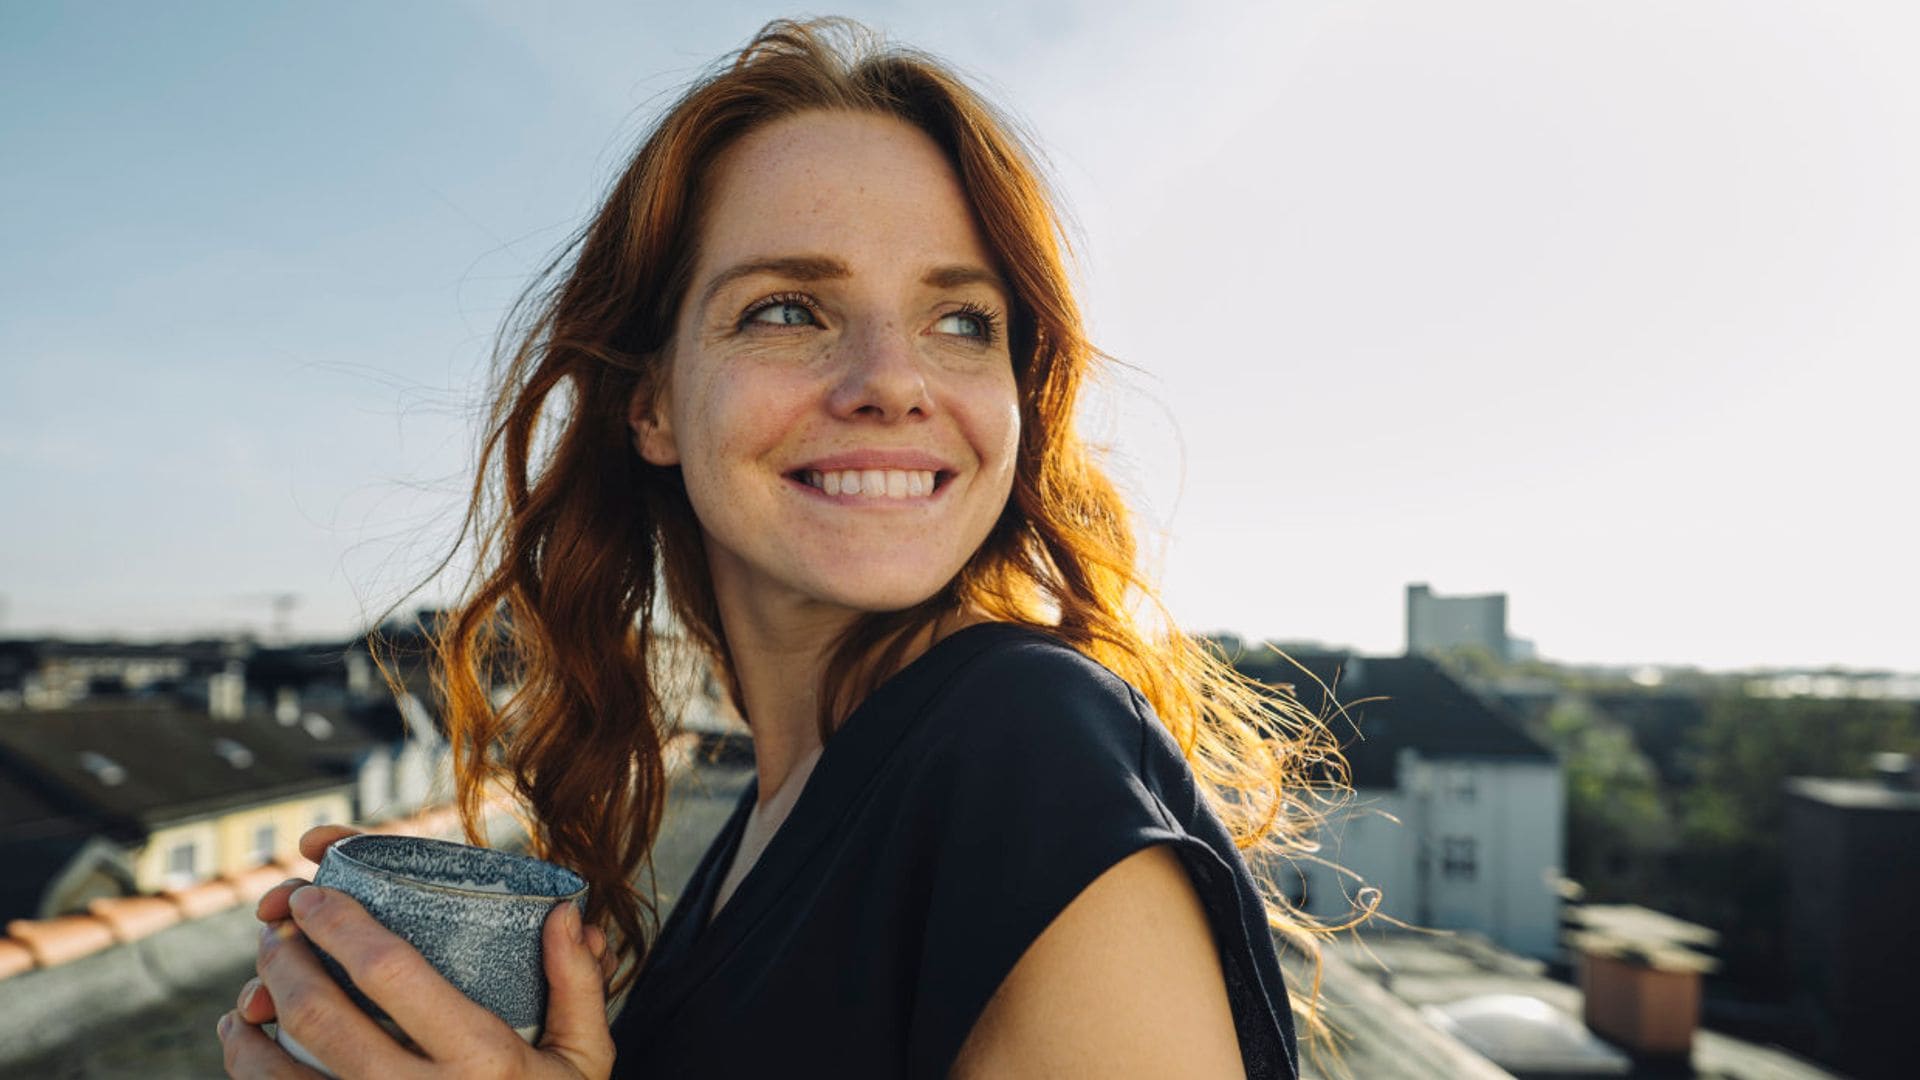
971,321
779,312
963,323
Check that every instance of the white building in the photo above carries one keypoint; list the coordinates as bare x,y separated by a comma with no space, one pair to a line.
1458,816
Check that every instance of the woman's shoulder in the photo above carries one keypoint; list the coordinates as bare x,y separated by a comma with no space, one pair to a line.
1030,725
1026,690
1034,772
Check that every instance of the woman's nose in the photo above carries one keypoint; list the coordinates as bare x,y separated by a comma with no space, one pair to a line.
881,375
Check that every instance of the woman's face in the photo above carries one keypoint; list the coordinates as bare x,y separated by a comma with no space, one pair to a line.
839,396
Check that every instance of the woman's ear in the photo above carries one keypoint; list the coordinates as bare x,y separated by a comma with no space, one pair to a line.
652,432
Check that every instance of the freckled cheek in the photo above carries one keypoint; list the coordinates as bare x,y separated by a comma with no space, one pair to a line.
985,406
750,425
992,429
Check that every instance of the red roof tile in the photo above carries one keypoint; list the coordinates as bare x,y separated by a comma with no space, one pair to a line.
134,917
204,898
250,885
61,938
14,958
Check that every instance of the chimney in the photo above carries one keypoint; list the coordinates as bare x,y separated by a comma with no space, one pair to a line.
1640,974
227,692
286,706
359,674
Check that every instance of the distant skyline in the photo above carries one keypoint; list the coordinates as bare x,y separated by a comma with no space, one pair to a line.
1608,307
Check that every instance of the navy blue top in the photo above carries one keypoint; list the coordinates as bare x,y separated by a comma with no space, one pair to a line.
958,810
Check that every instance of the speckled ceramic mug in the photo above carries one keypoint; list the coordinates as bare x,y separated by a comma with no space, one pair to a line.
475,913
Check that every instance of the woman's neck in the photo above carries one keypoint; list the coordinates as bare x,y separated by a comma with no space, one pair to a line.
778,661
779,678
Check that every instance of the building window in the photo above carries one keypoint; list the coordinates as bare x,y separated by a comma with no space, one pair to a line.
233,752
183,865
109,772
1458,859
262,849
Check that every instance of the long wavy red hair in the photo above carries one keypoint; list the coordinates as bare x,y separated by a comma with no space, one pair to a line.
582,547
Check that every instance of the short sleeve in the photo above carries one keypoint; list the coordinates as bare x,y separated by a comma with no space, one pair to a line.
1042,771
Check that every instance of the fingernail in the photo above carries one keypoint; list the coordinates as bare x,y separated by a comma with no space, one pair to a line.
247,992
225,1025
574,925
305,899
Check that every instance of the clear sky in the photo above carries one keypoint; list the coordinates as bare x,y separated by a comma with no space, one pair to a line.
1606,304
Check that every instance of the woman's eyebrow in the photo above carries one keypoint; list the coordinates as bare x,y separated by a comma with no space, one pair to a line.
952,277
824,267
796,267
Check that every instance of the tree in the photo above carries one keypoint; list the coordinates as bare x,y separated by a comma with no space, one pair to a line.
1619,830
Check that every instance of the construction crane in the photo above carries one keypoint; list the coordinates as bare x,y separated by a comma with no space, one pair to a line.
282,605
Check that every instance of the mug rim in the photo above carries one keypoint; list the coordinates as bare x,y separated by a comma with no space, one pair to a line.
338,848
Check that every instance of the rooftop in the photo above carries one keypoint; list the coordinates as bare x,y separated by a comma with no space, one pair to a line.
1642,935
1446,969
1393,703
145,763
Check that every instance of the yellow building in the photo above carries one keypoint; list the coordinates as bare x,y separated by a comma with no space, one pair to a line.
140,798
176,856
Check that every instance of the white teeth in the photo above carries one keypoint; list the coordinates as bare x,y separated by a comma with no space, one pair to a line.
874,483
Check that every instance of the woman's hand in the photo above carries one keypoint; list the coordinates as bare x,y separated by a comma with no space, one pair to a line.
454,1036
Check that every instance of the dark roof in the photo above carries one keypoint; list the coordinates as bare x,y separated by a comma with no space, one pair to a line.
29,809
40,832
1424,709
135,766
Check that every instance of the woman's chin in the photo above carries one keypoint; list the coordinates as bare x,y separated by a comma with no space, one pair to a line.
876,594
880,602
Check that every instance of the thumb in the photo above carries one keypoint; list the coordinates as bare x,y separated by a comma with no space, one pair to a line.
315,841
576,1028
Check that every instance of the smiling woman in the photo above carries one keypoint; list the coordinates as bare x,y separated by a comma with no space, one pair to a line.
823,364
845,339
